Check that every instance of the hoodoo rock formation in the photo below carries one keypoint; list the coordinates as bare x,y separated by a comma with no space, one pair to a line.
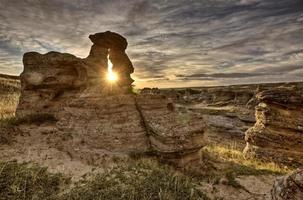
277,133
77,115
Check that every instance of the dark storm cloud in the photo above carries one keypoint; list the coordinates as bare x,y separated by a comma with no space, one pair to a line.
171,42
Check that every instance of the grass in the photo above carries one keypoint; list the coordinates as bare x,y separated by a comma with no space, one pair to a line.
24,181
225,161
143,179
9,97
245,166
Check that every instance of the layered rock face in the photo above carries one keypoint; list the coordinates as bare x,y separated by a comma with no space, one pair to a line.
288,187
46,78
174,132
277,133
227,111
66,104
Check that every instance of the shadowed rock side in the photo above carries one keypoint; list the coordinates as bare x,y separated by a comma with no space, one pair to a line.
277,133
114,45
66,106
288,187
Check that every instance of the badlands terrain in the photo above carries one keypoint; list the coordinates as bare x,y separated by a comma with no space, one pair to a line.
66,133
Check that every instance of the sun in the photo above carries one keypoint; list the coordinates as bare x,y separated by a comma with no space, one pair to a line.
111,76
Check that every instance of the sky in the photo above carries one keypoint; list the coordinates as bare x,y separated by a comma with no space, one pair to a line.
172,43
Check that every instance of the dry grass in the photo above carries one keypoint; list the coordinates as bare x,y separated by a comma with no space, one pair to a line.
9,96
229,162
232,155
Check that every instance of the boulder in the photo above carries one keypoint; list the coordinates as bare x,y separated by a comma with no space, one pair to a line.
288,187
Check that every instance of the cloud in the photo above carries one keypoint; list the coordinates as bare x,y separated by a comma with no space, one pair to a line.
211,41
222,75
249,2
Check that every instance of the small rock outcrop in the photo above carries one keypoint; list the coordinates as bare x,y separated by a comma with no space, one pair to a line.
277,133
66,104
288,187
